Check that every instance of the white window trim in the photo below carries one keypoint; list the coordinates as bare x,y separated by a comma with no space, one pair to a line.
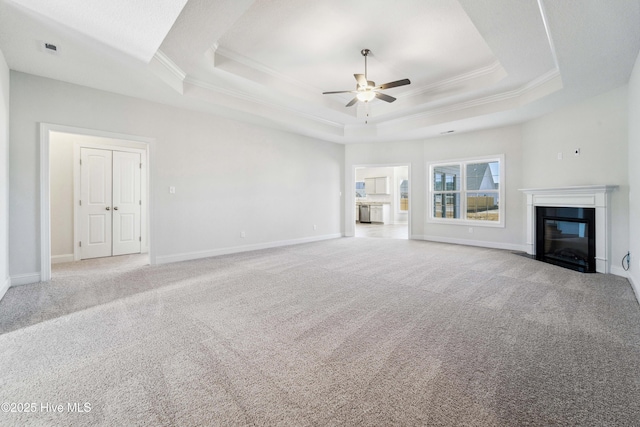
463,202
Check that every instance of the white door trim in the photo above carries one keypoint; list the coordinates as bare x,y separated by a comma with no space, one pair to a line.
45,186
77,253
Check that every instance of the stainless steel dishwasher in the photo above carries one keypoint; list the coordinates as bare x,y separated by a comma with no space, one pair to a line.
364,214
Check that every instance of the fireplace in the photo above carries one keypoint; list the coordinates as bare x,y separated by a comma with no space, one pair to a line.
565,236
595,198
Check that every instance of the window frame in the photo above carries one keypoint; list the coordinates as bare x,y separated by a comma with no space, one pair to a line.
463,191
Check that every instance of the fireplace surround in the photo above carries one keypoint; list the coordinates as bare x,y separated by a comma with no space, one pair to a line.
593,197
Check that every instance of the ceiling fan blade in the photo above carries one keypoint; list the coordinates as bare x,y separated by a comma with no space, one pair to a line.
397,83
362,81
384,97
353,101
339,91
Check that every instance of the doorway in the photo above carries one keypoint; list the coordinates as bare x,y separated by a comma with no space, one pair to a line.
60,148
382,199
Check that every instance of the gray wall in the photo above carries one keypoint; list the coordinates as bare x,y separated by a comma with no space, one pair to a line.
4,175
598,126
505,141
229,176
275,185
634,176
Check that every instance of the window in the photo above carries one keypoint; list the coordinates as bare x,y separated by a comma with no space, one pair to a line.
467,191
404,195
360,190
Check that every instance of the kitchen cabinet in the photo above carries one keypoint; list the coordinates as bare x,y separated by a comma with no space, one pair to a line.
370,185
380,213
382,185
376,214
377,185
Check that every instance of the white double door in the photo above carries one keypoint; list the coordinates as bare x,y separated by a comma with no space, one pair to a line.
110,203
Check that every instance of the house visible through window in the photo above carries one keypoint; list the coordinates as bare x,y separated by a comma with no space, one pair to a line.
467,191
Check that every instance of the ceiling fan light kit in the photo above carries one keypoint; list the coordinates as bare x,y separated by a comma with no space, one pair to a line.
366,90
365,95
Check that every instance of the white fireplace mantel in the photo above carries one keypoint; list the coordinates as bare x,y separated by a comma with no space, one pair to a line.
587,196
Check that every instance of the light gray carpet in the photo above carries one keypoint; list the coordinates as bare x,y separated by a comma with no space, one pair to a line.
342,332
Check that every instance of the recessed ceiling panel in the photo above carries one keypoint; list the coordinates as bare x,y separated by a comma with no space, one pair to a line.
319,42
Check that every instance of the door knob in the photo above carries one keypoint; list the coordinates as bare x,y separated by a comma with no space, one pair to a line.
108,208
115,208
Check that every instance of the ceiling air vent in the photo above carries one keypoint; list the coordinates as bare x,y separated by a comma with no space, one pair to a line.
51,47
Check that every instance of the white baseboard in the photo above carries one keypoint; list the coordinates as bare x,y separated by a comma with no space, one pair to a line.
479,243
25,279
164,259
5,287
57,259
618,271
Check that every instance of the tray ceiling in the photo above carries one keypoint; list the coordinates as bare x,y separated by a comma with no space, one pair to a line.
471,63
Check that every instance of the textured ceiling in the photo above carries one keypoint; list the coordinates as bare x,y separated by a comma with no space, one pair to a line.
472,63
429,41
115,23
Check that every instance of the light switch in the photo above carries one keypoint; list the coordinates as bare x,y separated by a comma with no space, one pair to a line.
172,190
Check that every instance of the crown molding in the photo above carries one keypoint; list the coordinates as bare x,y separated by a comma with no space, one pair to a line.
168,71
256,100
171,66
526,92
538,83
257,66
255,104
493,68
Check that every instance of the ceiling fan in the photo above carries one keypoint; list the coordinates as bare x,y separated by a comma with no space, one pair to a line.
366,90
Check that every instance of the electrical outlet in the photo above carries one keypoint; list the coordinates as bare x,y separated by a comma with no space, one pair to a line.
576,152
172,190
243,234
559,156
470,229
315,227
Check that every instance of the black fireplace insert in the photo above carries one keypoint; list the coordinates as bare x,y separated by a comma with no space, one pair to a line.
566,236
